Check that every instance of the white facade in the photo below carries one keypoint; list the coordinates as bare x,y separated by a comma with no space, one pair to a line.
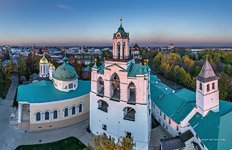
65,86
120,105
51,71
43,70
116,125
121,48
207,99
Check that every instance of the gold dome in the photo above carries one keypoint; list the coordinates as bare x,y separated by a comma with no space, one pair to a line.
43,60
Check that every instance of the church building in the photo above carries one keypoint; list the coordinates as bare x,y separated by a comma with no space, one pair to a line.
121,99
120,102
56,102
196,120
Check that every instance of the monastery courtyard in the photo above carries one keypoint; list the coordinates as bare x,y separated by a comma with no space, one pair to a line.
12,137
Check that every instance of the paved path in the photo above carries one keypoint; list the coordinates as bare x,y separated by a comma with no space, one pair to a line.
157,134
12,90
11,137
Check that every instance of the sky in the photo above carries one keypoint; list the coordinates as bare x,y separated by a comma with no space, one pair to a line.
93,22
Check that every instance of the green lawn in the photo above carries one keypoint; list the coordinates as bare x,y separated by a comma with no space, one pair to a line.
70,143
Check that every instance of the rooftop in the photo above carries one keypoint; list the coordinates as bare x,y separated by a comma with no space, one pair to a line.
207,73
44,91
175,104
133,69
214,129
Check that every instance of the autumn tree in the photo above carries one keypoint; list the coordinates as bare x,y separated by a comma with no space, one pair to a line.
157,60
101,142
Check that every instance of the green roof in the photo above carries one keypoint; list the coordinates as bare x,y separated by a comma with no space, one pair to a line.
214,129
44,91
65,72
122,32
133,69
101,69
175,104
137,69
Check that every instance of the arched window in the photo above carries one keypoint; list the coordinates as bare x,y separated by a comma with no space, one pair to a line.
38,116
55,114
73,110
129,114
115,87
213,86
208,88
100,86
118,48
80,108
131,93
200,86
66,112
46,115
70,86
102,105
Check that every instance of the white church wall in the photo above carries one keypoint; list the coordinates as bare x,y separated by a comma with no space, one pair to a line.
58,105
116,125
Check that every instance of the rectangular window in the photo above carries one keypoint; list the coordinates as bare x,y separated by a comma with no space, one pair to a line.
104,127
160,113
128,134
164,117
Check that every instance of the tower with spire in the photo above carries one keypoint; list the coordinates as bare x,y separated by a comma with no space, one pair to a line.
121,43
207,93
120,95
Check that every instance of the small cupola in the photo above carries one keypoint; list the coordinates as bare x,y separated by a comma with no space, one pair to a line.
65,77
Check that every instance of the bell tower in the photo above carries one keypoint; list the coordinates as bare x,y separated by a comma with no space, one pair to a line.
121,44
207,93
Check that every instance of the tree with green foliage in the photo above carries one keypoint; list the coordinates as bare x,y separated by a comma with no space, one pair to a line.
22,69
101,142
225,87
165,68
157,60
228,70
106,54
228,58
8,70
216,57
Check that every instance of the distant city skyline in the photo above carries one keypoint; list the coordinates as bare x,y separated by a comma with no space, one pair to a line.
151,22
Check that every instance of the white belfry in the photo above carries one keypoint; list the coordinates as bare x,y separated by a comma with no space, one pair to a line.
120,96
207,93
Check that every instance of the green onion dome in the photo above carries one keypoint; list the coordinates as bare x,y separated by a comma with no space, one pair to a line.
65,72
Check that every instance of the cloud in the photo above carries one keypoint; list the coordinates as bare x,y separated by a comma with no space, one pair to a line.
63,6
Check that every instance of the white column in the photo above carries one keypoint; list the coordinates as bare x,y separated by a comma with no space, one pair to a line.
19,112
121,49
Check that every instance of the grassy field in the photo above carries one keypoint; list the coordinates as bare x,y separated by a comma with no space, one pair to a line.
70,143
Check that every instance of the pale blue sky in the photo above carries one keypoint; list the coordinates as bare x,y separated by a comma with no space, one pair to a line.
93,22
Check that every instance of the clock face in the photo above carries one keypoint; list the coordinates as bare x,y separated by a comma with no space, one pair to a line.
118,35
